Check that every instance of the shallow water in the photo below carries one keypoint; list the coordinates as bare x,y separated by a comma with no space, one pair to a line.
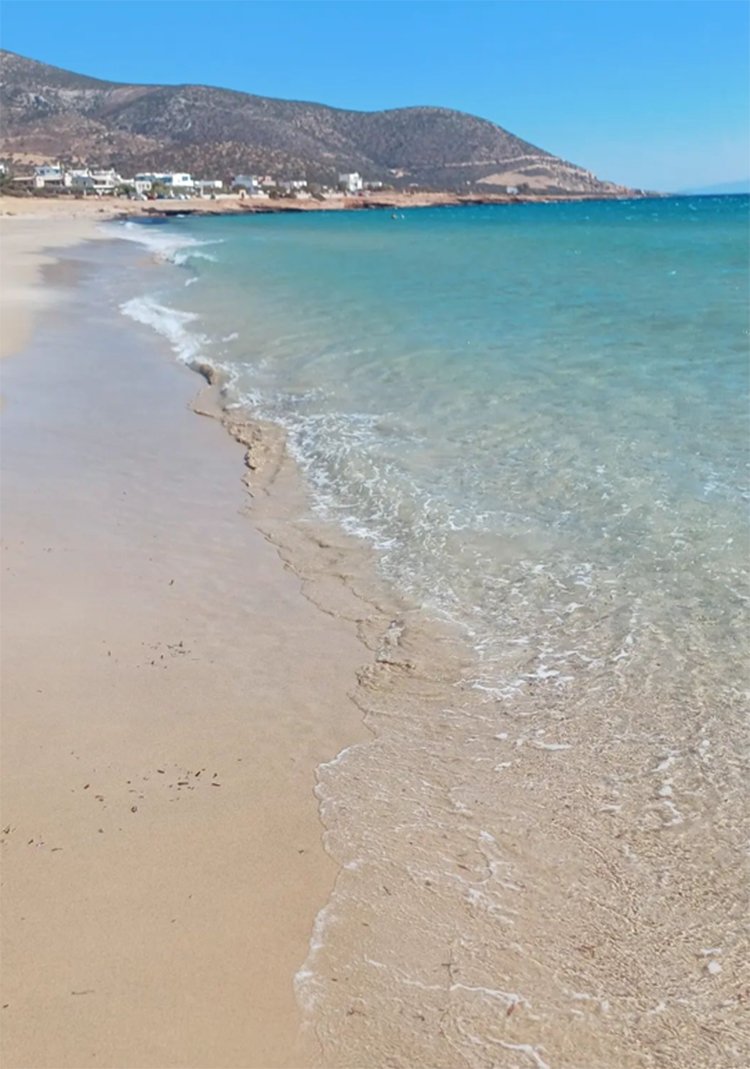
533,412
538,416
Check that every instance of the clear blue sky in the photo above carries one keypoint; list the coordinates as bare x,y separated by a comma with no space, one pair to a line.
649,93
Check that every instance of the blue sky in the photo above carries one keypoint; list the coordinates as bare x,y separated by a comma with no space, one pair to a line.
649,93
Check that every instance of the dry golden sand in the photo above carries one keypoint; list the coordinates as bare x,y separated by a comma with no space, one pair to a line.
167,695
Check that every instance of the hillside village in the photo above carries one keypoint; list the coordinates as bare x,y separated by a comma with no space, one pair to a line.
50,115
57,179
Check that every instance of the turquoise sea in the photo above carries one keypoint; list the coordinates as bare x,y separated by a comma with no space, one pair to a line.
537,413
537,417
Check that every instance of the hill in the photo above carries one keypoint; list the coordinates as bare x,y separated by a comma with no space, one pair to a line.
57,114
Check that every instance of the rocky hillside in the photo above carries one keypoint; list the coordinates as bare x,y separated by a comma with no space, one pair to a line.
56,114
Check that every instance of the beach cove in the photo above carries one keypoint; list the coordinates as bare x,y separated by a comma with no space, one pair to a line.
531,841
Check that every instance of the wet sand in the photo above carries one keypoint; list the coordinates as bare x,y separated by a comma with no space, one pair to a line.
515,897
26,246
168,692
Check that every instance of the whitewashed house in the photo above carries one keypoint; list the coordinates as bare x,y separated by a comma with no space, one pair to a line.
98,182
79,179
175,181
50,174
351,183
149,177
106,181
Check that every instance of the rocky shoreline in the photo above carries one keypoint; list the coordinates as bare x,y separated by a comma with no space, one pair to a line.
123,208
237,206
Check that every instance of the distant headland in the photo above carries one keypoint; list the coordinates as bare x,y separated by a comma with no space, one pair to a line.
57,118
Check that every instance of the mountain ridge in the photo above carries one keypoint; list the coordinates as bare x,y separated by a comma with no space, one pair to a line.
216,132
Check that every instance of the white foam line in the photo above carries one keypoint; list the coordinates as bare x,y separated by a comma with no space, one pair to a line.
582,996
171,323
508,998
305,979
339,757
167,243
527,1049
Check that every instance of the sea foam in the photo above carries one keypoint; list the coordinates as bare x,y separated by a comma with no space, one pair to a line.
168,244
171,323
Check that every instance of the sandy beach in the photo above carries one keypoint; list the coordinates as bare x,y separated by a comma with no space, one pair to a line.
374,556
96,208
162,856
255,810
28,244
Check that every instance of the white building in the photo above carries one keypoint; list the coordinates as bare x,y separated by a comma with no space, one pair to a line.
248,182
351,183
173,180
95,181
150,177
208,185
292,185
179,181
50,174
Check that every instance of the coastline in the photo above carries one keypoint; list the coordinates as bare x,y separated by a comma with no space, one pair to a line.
492,883
550,932
163,862
114,208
